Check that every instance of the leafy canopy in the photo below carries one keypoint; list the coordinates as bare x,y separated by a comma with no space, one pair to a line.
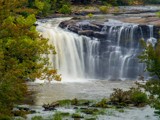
21,54
151,57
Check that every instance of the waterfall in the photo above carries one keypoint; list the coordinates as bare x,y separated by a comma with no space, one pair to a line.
77,56
81,57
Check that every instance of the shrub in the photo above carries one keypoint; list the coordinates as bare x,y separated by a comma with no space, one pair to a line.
90,15
37,118
5,117
57,116
65,9
116,9
133,96
119,96
158,14
102,103
77,115
104,9
139,97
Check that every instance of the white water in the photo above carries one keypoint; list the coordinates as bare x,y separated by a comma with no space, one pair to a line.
79,58
69,59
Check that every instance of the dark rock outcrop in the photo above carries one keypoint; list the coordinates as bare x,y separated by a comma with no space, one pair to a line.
50,107
95,29
87,28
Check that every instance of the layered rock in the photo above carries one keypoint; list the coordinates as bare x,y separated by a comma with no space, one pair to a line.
92,28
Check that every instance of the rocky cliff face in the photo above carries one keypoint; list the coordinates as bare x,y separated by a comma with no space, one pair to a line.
93,28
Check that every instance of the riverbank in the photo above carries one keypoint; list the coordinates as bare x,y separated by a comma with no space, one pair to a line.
85,10
92,90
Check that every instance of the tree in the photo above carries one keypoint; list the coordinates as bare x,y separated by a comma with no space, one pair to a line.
151,57
21,55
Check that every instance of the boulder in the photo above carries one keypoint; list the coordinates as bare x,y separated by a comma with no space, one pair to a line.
50,107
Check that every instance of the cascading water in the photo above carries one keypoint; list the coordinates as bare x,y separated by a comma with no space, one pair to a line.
81,57
70,60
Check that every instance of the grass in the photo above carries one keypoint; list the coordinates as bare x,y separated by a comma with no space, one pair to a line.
65,102
77,115
57,116
101,104
37,118
88,109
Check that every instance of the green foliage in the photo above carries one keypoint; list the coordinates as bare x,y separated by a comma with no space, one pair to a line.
158,14
37,118
138,97
65,114
39,4
133,96
57,116
5,117
90,119
153,88
116,9
46,8
151,57
102,103
77,115
65,9
93,111
65,102
104,9
90,15
21,50
120,96
21,113
82,102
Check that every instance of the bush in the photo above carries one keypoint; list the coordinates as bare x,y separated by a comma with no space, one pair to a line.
120,96
57,116
104,9
102,103
132,96
138,97
46,8
65,9
37,118
158,14
90,15
77,115
5,117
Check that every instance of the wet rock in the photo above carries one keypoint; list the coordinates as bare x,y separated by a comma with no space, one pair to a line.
23,108
93,28
67,23
74,28
156,30
86,33
50,107
101,35
75,108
